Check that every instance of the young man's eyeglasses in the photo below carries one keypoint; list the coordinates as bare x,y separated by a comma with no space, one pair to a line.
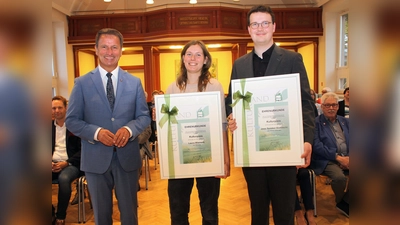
264,24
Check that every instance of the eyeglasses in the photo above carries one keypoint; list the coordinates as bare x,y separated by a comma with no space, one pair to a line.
264,24
330,105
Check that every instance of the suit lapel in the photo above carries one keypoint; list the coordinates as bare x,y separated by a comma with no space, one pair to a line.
98,83
274,62
327,129
249,62
120,87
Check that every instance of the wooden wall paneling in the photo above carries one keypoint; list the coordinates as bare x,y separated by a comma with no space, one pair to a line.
157,22
126,24
178,22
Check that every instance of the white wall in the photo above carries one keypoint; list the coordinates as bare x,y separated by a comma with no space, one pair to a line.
329,45
63,54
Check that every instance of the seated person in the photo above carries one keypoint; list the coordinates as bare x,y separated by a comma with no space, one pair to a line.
317,109
302,218
344,105
66,151
324,90
153,124
144,146
331,147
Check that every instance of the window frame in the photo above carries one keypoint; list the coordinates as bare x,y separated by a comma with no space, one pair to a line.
344,40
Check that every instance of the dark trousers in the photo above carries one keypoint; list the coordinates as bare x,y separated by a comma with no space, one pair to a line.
179,191
306,190
65,178
273,185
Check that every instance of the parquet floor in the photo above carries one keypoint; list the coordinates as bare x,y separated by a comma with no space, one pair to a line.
234,206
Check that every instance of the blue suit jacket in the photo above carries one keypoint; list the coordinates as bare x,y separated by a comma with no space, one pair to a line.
324,147
89,109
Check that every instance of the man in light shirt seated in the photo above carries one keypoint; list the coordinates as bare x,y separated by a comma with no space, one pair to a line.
66,159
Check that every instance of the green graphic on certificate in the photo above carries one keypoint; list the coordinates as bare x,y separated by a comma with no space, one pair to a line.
272,126
194,140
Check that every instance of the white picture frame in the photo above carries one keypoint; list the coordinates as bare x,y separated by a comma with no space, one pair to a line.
269,121
189,135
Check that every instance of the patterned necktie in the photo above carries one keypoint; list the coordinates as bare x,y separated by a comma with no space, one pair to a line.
110,91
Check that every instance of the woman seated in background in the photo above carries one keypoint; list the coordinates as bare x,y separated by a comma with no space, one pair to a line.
317,109
344,106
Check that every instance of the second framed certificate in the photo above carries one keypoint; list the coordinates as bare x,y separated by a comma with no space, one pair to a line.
269,120
189,135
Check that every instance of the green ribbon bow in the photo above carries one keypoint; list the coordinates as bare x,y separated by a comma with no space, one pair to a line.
246,99
169,116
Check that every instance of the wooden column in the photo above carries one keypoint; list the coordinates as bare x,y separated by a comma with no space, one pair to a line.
235,52
242,48
156,69
316,62
151,77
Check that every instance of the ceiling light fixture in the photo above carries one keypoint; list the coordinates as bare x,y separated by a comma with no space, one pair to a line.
149,2
193,1
214,46
175,47
107,0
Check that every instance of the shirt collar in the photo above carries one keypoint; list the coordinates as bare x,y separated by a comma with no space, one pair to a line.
103,73
55,124
267,53
329,121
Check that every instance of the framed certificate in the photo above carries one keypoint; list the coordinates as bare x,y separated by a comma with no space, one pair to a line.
269,121
189,134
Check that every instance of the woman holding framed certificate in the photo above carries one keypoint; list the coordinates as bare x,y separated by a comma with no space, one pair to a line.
195,77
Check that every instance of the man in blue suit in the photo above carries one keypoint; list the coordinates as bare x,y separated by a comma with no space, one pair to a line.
331,147
108,110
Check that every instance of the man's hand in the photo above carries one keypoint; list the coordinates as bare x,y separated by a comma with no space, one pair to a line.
344,162
306,155
121,137
56,167
106,137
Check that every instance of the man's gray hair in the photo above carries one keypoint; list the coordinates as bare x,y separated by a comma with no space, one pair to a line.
329,95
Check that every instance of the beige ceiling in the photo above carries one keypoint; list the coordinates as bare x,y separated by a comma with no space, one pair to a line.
82,7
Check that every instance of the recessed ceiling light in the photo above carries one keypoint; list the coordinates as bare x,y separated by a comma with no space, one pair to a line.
236,0
107,0
149,2
193,1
